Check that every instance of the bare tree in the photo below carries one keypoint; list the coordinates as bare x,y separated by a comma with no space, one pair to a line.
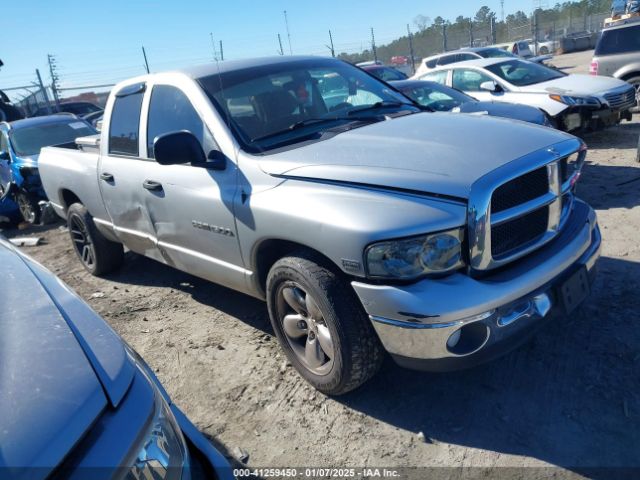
421,22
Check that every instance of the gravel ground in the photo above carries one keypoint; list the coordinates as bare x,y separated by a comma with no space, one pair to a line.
568,398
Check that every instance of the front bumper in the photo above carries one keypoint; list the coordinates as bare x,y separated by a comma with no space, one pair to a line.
585,118
495,313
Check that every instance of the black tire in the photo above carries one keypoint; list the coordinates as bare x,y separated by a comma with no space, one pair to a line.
543,51
358,353
97,254
29,208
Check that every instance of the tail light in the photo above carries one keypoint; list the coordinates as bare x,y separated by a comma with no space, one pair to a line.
593,68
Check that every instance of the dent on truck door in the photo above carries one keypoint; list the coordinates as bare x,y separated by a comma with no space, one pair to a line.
122,172
192,214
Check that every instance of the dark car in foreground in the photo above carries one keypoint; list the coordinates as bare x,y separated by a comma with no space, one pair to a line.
77,401
20,144
446,99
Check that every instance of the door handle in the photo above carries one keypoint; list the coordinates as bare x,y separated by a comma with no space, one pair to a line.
151,185
107,177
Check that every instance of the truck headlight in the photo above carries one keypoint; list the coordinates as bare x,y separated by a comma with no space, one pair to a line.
579,101
571,166
414,257
162,452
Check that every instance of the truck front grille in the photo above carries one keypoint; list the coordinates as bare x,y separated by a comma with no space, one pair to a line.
519,190
622,100
510,236
521,206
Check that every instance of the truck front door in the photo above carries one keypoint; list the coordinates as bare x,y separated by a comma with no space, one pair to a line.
191,207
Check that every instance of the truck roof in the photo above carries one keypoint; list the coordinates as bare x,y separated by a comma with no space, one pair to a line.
225,66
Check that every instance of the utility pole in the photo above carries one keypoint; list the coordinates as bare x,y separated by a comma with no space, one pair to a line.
286,23
330,46
54,80
413,59
221,52
502,10
444,37
373,46
146,62
213,48
281,52
471,32
494,35
44,92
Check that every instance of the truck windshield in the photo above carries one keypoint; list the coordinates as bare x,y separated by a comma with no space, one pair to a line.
285,102
521,73
29,140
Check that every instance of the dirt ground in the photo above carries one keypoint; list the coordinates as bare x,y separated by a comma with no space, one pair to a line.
569,398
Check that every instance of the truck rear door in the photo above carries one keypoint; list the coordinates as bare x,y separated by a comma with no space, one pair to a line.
122,172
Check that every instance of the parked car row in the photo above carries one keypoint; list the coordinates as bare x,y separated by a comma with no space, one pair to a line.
571,102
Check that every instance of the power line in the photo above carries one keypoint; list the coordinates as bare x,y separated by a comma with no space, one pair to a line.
286,23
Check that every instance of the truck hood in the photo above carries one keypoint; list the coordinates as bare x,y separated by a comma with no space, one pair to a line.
53,382
435,153
576,84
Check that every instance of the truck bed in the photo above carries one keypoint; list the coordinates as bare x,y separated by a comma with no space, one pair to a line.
72,167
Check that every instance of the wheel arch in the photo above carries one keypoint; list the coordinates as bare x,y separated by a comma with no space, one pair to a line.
68,198
269,250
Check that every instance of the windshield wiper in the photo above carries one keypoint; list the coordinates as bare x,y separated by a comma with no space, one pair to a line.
377,106
306,122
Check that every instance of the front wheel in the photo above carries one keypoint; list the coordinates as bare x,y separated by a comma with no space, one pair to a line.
321,325
97,254
29,208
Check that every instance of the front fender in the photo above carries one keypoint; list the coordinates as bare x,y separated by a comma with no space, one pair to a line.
339,221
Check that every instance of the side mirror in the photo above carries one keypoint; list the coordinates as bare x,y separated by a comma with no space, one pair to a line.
5,156
176,148
490,86
216,160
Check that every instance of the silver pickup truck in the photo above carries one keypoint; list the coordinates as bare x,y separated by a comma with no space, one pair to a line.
366,223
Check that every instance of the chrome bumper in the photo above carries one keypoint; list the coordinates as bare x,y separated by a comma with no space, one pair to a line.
492,314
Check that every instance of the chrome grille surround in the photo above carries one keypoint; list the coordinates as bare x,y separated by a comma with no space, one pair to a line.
621,99
558,200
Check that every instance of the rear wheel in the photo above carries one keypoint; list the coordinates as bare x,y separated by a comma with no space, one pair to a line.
321,325
543,51
29,208
97,254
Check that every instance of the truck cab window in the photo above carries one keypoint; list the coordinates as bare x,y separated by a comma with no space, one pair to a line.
170,111
125,125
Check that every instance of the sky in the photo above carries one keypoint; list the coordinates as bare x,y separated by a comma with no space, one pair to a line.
101,42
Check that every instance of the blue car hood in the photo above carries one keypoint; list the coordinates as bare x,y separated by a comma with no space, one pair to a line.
507,110
60,365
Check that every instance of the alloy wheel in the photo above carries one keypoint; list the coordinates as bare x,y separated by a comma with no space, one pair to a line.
82,242
26,208
305,328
